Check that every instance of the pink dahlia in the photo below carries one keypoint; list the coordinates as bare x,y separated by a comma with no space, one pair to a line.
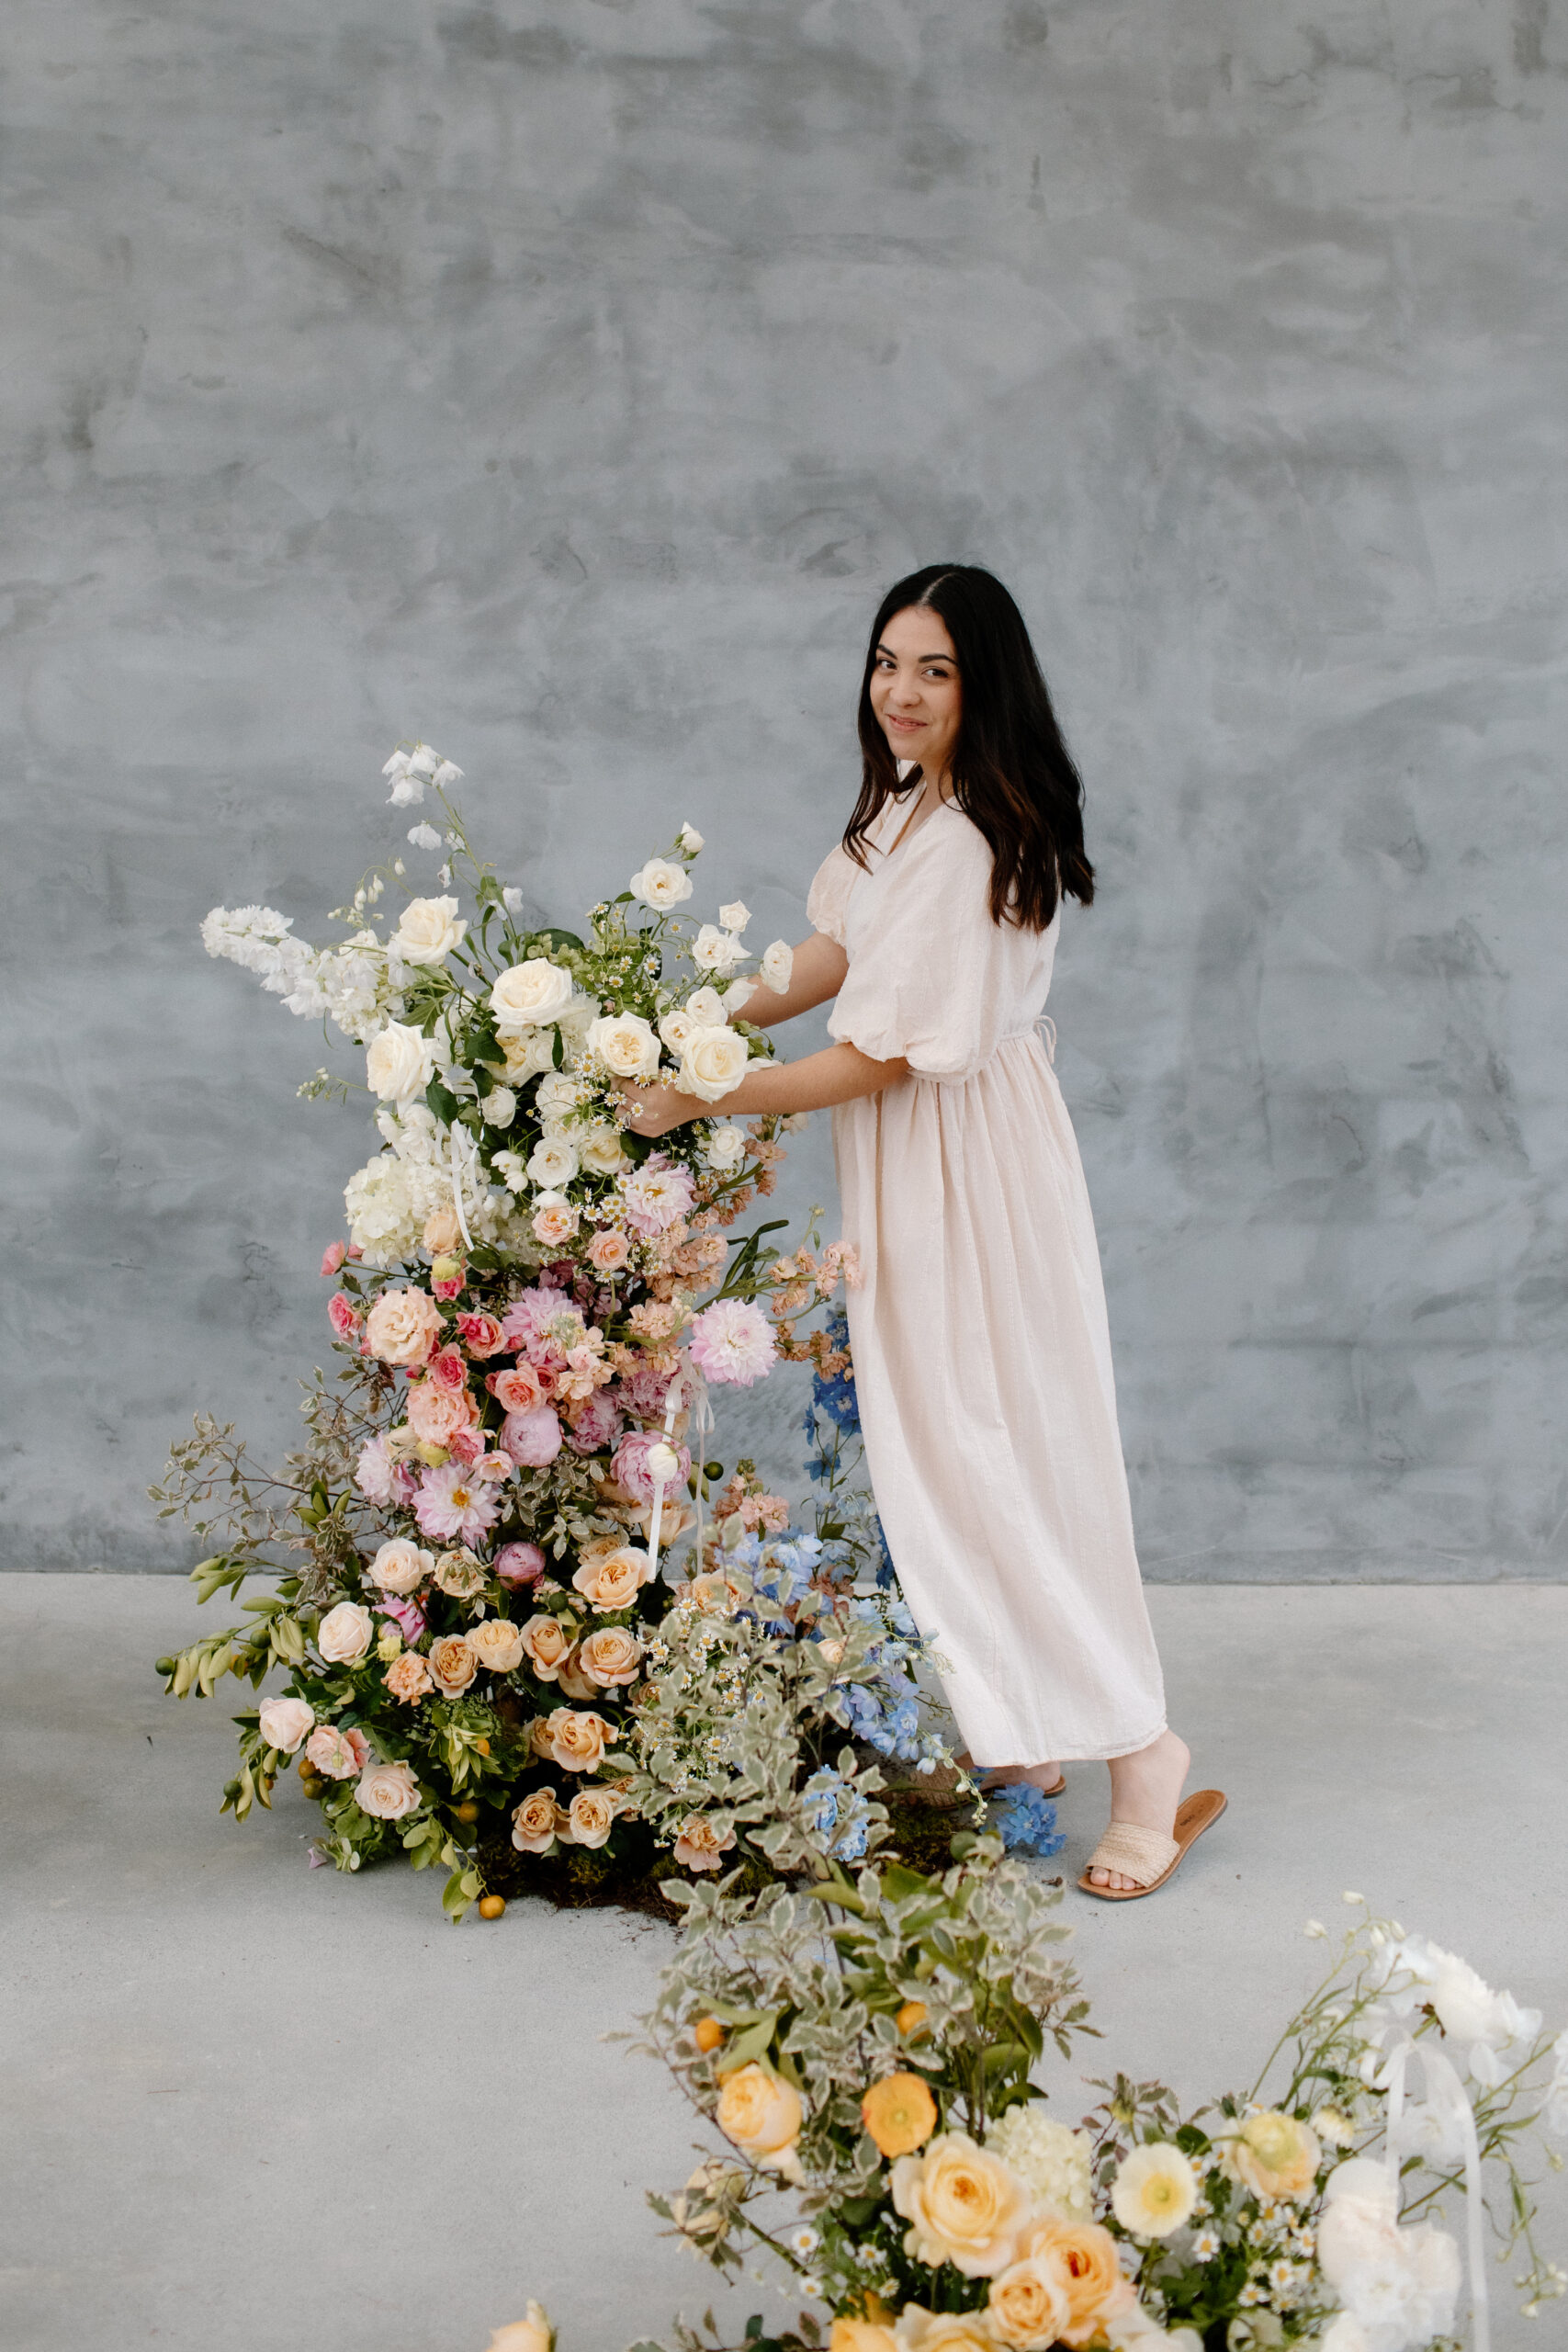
380,1477
657,1195
732,1341
454,1501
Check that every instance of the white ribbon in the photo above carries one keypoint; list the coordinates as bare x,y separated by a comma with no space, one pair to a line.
701,1426
1446,2092
458,1186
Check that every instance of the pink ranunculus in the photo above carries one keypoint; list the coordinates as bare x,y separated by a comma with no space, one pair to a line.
519,1564
532,1439
332,1257
481,1334
343,1316
406,1615
436,1414
454,1502
517,1389
446,1366
595,1423
380,1476
629,1468
646,1392
466,1446
732,1343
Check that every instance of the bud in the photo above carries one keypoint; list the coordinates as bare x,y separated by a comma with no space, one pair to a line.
445,1270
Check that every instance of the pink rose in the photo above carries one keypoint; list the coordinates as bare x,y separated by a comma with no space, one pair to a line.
532,1439
403,1327
481,1334
435,1414
447,1285
496,1467
339,1755
332,1257
609,1250
516,1390
446,1366
629,1468
343,1315
595,1422
519,1563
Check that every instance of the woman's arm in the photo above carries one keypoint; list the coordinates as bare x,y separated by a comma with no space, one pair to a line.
817,974
838,1075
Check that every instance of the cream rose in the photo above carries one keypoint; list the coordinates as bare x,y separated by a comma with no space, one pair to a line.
760,2115
546,1645
531,994
614,1580
713,1064
388,1791
725,1148
398,1063
552,1162
690,838
534,1822
590,1816
776,966
661,885
625,1044
600,1150
1028,2306
705,1007
287,1723
452,1664
401,1567
716,951
578,1738
459,1574
429,931
497,1644
403,1327
675,1028
345,1634
736,915
964,2205
922,2331
611,1658
527,1052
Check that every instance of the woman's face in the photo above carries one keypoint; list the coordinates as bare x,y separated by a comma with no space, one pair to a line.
915,689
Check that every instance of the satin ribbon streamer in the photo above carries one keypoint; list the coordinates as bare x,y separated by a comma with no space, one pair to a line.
1445,2091
696,1388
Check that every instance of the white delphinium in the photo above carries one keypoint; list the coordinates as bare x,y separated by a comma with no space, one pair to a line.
410,771
424,836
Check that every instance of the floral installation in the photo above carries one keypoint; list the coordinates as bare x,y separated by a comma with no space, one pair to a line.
529,1308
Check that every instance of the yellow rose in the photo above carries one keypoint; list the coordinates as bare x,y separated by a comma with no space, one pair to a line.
899,2113
1274,2156
963,2206
760,2115
922,2331
1028,2306
497,1644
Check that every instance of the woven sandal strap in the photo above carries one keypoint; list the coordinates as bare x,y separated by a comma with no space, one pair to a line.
1142,1855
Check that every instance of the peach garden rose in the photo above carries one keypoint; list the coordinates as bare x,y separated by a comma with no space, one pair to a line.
762,2115
497,1644
578,1738
614,1580
963,2206
534,1822
611,1658
452,1664
403,1325
388,1791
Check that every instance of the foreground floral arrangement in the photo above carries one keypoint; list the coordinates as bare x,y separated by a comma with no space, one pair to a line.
479,1648
865,2052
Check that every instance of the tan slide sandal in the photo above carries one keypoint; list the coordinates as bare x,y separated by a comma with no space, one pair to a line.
1143,1854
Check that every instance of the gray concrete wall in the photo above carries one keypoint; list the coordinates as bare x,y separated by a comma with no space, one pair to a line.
562,380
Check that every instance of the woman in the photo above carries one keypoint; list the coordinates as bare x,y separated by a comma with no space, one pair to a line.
981,1351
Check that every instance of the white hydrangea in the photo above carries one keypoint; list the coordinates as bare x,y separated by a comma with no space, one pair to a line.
1049,2157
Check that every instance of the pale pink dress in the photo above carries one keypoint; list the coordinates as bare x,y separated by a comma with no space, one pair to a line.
981,1349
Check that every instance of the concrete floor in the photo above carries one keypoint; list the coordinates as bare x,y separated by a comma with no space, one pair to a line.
252,2108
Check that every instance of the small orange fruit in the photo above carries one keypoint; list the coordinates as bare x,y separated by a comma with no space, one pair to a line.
707,2033
467,1811
492,1905
899,2113
911,2021
481,1746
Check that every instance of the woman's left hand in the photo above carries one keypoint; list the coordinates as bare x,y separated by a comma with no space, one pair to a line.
654,1110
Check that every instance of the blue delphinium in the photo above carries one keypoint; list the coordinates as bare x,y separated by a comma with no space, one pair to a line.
837,1397
843,1817
1026,1820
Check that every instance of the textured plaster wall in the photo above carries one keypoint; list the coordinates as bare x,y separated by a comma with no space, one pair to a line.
562,380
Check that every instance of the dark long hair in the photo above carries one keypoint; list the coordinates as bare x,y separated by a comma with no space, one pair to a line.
1011,773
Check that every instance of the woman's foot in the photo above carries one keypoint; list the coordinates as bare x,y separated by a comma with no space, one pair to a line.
1047,1778
1145,1789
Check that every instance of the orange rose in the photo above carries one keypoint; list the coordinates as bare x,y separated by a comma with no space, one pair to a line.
899,2113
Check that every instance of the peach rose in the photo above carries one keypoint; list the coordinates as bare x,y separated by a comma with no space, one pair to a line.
1274,2156
534,2334
403,1327
546,1645
497,1644
345,1634
534,1822
408,1678
609,1250
555,1219
458,1572
437,1413
964,2205
388,1791
337,1754
442,1232
590,1816
922,2331
573,1683
578,1738
1028,2305
611,1658
614,1580
762,2115
700,1844
517,1389
286,1724
401,1566
452,1664
862,2335
1081,2259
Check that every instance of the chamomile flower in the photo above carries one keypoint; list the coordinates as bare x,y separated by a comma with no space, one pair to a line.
1205,2246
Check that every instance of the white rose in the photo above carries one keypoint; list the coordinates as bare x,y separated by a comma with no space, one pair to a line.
690,839
713,1064
345,1634
705,1007
716,951
387,1791
556,1096
528,1051
776,966
625,1044
500,1107
661,885
675,1028
725,1148
736,916
429,931
401,1567
510,1170
736,996
287,1723
552,1162
600,1150
399,1063
537,991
